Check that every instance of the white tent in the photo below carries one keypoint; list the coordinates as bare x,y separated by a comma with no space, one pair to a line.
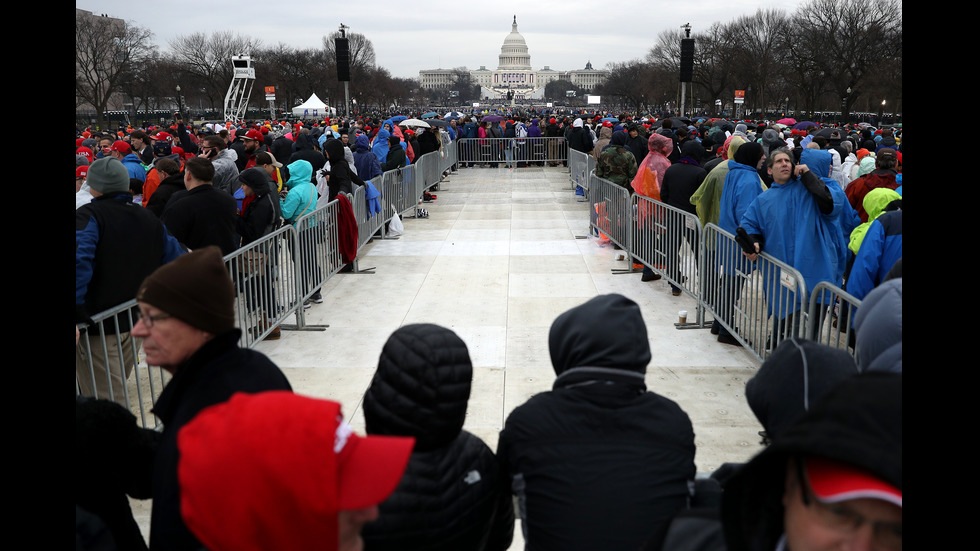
313,108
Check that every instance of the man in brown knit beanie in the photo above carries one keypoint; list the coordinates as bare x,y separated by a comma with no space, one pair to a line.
187,323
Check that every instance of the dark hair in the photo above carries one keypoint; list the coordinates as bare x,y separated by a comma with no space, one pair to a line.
200,168
168,166
215,141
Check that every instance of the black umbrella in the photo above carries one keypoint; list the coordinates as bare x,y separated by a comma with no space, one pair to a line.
437,122
826,132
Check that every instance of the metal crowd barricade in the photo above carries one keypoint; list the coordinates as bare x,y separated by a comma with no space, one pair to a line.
580,165
100,345
831,317
265,277
398,190
368,222
668,240
513,152
318,255
610,210
760,303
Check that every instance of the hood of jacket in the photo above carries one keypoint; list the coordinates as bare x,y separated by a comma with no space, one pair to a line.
303,142
877,199
257,179
363,143
617,138
421,387
607,133
817,160
334,149
660,144
299,172
792,378
878,324
858,422
605,332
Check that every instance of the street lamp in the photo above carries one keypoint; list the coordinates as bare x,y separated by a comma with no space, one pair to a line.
180,107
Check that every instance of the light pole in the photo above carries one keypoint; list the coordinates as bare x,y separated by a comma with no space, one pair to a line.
180,108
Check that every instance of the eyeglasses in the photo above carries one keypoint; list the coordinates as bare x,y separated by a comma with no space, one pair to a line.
148,320
842,519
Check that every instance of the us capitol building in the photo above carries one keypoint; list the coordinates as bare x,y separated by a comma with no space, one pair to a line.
514,74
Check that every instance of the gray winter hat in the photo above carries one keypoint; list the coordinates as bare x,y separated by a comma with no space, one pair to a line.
108,175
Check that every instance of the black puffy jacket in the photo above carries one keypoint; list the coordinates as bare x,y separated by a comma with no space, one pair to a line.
452,496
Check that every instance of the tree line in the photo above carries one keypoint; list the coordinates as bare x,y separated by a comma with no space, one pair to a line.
829,55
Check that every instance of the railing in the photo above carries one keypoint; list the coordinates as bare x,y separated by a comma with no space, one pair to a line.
512,152
758,303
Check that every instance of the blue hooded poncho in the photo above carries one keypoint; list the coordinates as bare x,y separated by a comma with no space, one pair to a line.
380,147
797,233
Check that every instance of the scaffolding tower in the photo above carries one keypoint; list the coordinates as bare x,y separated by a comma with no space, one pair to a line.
240,89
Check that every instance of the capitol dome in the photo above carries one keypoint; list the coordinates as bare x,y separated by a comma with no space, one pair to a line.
513,53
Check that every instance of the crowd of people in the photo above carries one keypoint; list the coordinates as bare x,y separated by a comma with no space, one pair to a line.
598,462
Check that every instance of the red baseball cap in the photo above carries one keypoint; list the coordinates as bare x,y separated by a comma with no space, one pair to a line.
120,146
85,152
253,134
273,469
833,481
81,171
162,136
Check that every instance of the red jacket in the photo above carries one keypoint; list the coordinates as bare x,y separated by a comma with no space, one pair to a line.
860,187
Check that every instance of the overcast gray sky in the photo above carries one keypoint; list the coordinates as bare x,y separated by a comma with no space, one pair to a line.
431,34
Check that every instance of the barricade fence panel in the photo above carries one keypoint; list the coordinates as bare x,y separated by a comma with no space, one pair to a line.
610,210
759,303
266,289
513,152
580,165
831,317
668,241
108,364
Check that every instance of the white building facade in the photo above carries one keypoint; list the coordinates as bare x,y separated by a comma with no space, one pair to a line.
514,74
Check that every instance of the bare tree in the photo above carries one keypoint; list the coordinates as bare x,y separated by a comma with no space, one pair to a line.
631,83
106,51
207,58
713,59
847,43
760,54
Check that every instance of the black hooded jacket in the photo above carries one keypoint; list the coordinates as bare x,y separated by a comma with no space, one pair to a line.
452,495
342,178
306,152
598,462
261,215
